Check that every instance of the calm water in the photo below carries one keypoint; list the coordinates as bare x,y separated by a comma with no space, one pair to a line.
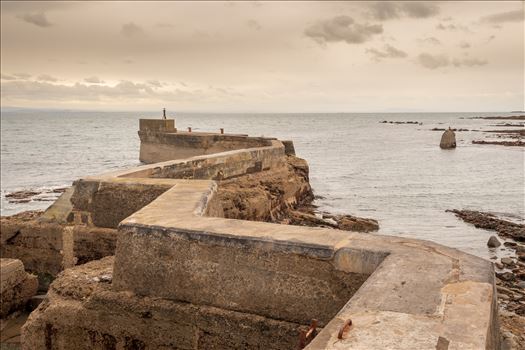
394,173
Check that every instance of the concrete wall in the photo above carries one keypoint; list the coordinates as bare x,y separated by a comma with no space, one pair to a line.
107,203
157,125
233,274
47,248
83,313
160,146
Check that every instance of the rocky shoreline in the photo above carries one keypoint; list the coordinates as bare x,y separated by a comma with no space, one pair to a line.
42,195
510,117
400,122
267,196
517,143
510,273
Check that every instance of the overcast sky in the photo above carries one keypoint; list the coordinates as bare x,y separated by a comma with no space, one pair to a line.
264,56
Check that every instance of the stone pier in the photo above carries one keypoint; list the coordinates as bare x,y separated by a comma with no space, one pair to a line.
185,277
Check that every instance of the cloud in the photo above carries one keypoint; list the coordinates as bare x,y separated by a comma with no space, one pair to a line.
130,30
37,6
155,83
22,75
342,28
502,17
7,77
38,19
451,27
438,61
94,80
127,91
388,52
430,40
385,10
433,61
46,77
469,62
464,45
253,24
416,9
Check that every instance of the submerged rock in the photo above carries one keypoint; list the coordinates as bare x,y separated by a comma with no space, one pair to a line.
448,139
493,242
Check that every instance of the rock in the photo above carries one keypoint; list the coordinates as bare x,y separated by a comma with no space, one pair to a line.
17,286
503,290
448,140
506,276
493,242
520,249
283,196
507,261
518,143
353,223
489,221
521,285
499,265
35,301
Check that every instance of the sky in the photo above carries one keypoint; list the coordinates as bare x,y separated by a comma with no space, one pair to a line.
259,56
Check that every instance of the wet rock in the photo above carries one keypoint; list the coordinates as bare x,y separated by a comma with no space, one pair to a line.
489,221
353,223
25,196
507,261
505,276
511,117
400,122
448,140
493,242
517,143
443,129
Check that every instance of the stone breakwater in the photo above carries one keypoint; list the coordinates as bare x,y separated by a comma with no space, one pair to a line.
189,271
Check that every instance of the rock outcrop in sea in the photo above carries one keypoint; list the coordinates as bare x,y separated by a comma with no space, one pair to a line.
448,139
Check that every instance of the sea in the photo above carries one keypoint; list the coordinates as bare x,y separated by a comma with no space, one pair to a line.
395,173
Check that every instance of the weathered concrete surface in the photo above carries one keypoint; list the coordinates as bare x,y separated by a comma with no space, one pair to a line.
106,203
59,211
161,146
16,286
46,248
82,312
37,244
157,125
217,166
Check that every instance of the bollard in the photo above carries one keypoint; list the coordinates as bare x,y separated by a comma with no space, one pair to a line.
222,130
189,128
